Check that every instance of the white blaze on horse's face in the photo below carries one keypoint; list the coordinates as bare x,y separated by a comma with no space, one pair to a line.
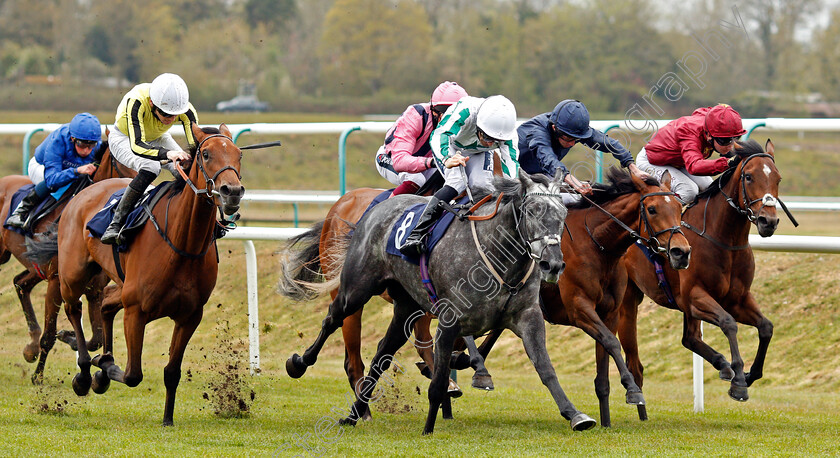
767,170
768,200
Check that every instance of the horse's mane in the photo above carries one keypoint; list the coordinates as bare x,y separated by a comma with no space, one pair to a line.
179,182
619,184
100,152
743,150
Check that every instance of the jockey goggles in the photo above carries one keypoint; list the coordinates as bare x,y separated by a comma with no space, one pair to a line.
724,141
84,143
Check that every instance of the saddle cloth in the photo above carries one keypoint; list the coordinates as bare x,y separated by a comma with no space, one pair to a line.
406,223
135,220
44,207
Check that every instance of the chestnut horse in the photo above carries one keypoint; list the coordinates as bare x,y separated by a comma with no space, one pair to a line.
589,291
13,243
716,286
170,267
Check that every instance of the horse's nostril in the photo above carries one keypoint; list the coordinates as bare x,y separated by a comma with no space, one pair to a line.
545,266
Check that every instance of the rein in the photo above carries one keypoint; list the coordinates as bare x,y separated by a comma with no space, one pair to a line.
651,242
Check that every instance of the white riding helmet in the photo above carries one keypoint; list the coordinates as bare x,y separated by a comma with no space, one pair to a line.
497,117
170,94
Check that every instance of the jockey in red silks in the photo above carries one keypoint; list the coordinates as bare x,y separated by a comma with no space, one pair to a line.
406,157
684,148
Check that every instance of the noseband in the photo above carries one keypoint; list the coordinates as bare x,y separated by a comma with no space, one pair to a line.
766,201
209,183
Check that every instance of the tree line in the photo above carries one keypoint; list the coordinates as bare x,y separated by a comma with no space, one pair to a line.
361,56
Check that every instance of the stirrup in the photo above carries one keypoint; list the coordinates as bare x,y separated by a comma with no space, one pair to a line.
110,237
15,221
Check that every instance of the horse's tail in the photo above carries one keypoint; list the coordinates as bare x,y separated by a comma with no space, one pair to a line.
43,247
302,265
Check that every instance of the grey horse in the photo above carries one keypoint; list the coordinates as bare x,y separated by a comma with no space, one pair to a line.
482,273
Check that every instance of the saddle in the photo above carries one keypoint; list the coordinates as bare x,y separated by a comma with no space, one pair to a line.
135,220
50,203
405,224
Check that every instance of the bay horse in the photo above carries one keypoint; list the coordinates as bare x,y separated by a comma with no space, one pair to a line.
13,243
311,257
525,232
589,291
716,286
170,267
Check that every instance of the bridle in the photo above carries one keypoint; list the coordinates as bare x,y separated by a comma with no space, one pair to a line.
746,211
209,183
652,242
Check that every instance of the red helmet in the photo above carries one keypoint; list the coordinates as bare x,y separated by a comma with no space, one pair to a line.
723,121
447,93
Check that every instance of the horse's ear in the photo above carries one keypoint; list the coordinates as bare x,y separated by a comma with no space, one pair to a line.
769,148
197,132
223,128
665,181
638,182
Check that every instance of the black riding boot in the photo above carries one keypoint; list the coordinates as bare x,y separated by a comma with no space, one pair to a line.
18,218
112,235
415,243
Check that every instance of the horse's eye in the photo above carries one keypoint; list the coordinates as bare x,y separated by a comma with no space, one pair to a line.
748,177
205,155
651,210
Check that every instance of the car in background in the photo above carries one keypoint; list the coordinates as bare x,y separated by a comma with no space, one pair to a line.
242,103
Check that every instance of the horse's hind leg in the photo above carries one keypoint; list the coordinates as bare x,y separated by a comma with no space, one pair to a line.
24,282
94,294
52,305
395,338
111,304
602,384
349,300
748,313
531,329
172,372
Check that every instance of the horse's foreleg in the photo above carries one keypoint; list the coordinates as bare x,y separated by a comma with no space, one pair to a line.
134,323
172,372
749,314
602,383
52,305
707,309
354,366
82,380
489,342
481,378
366,387
588,320
424,343
628,337
692,339
530,327
438,396
94,294
24,282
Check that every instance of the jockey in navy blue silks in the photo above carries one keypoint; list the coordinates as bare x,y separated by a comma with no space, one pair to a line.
63,156
545,139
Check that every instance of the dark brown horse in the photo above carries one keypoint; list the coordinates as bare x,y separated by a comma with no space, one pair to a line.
13,244
169,272
589,291
327,243
716,286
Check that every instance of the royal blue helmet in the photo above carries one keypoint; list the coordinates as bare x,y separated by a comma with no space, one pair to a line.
85,126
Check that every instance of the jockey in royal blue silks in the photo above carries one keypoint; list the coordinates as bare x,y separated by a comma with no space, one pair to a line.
546,139
467,136
63,156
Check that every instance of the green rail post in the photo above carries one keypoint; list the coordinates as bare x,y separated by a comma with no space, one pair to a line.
599,157
342,159
756,126
236,137
295,206
26,140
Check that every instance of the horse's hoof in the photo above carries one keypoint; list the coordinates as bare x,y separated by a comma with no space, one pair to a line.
68,337
454,391
642,413
37,378
100,383
424,369
482,382
738,393
751,377
30,352
582,422
459,361
295,366
347,421
727,374
102,361
168,422
81,384
635,398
